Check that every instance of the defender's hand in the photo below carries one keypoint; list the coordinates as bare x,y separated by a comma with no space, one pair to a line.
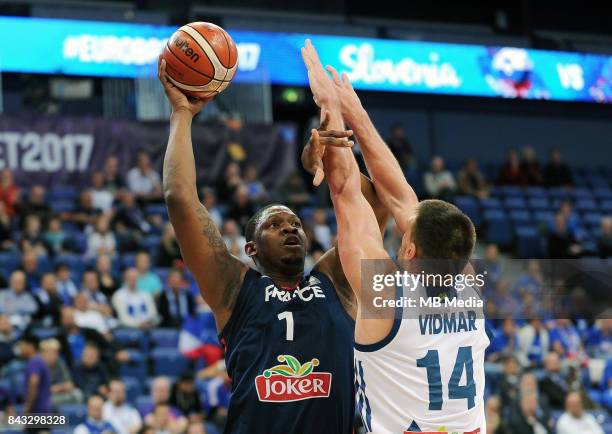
322,87
312,155
178,100
350,104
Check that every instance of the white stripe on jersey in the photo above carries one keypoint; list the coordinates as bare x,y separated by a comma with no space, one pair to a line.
419,378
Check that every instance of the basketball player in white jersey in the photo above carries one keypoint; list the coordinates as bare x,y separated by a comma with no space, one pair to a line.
423,372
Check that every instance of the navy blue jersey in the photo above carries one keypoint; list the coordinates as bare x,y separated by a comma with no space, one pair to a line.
289,353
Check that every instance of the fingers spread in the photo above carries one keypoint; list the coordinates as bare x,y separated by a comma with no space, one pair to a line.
335,133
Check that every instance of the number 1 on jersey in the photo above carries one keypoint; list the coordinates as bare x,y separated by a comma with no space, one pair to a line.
289,317
464,360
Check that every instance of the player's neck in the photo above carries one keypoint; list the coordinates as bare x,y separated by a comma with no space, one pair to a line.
284,280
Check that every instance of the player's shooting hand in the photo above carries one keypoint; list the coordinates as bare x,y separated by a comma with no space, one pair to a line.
349,101
312,155
322,87
178,100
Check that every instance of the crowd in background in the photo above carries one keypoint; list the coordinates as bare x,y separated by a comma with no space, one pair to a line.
108,260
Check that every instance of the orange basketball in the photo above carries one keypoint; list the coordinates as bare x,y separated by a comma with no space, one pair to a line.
201,59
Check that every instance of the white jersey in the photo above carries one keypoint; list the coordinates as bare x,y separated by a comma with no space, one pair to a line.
427,375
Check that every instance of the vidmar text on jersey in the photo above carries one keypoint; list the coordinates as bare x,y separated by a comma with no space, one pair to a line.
454,302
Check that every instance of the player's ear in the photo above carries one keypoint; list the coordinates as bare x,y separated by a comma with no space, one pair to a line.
411,251
250,249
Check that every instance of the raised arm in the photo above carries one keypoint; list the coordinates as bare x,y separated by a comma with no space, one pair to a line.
218,273
387,175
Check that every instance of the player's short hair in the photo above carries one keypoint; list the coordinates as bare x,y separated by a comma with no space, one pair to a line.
251,226
442,231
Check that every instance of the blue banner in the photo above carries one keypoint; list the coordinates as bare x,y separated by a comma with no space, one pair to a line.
130,50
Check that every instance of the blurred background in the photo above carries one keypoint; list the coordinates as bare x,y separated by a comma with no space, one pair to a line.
500,107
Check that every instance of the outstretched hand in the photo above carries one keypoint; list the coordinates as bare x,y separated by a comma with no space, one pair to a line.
349,101
178,100
322,87
312,155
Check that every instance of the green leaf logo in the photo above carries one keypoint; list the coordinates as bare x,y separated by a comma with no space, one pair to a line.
293,363
293,367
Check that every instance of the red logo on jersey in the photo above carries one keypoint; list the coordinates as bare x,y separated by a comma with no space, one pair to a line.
292,381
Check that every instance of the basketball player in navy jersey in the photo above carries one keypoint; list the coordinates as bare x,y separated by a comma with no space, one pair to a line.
288,336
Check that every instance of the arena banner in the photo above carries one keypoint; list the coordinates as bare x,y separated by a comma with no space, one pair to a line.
130,50
59,150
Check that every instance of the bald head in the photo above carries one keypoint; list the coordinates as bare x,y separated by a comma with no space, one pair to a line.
573,405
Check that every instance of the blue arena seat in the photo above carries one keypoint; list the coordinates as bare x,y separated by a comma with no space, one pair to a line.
62,192
136,367
536,192
157,209
43,333
133,388
559,193
165,338
528,242
491,203
538,202
520,216
470,207
592,219
586,205
515,203
143,402
168,361
498,227
75,262
131,338
128,261
511,190
76,413
603,193
606,206
61,206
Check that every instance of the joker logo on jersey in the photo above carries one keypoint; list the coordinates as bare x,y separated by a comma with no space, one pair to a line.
292,381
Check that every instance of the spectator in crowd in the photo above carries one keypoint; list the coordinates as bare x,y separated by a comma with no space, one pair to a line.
533,343
143,180
196,428
209,200
471,180
48,313
492,264
528,419
8,337
102,239
186,398
530,167
509,385
104,270
232,179
242,207
565,340
6,241
147,280
503,343
168,252
37,378
124,418
554,385
401,147
175,302
600,337
234,240
35,205
134,308
532,281
32,239
322,231
255,189
557,173
62,389
160,395
130,223
292,192
161,421
604,243
561,243
66,288
85,215
29,265
572,220
493,416
575,420
439,182
9,193
510,172
102,197
54,237
90,375
113,181
98,301
86,316
16,302
95,423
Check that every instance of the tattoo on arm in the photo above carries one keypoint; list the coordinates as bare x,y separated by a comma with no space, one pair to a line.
227,265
